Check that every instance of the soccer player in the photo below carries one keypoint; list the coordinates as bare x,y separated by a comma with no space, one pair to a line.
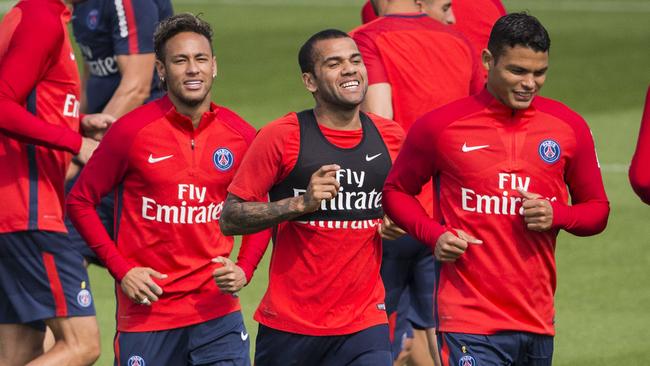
474,19
42,281
415,64
171,161
505,161
323,169
639,172
116,41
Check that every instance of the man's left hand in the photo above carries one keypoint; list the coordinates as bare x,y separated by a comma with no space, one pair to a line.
230,278
389,230
538,212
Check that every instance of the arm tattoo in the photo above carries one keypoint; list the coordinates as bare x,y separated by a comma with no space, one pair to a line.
241,217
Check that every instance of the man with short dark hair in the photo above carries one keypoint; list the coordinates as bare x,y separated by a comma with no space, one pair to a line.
505,162
171,162
323,169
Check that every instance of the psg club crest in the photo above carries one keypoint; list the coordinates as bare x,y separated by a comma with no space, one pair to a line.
467,360
223,159
136,361
84,298
549,151
93,19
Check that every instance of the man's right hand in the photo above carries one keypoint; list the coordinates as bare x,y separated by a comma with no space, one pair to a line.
138,285
450,247
88,146
322,186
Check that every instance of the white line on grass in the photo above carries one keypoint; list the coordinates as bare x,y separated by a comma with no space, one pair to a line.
614,168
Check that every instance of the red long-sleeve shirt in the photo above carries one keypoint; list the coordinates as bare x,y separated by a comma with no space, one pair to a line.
479,151
170,181
640,168
39,118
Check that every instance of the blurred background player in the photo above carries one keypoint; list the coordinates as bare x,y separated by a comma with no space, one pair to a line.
505,161
474,19
173,159
403,85
322,169
639,170
42,280
116,41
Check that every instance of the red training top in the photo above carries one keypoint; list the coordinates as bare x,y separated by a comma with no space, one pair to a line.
480,152
475,19
426,63
170,182
324,280
39,100
639,170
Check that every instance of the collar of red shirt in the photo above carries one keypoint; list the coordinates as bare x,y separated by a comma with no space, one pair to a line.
183,121
502,111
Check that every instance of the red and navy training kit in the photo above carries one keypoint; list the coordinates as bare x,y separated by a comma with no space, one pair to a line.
171,181
40,276
479,152
105,29
325,297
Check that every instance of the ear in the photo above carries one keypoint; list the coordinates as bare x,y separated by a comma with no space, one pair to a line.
214,67
309,80
160,69
487,59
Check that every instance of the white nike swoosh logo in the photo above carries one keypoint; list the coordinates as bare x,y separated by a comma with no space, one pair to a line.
244,336
370,158
153,160
472,148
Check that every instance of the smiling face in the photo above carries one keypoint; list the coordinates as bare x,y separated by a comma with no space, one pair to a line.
339,77
188,68
517,75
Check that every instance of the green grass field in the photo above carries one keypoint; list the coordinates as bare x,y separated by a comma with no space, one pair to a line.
600,59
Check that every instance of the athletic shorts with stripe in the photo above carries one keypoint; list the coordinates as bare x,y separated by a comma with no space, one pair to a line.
41,277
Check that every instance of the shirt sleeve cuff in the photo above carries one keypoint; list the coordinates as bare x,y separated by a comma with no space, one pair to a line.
561,214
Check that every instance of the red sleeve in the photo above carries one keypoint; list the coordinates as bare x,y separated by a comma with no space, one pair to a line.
639,169
371,57
252,250
589,209
270,158
415,165
367,13
102,174
21,68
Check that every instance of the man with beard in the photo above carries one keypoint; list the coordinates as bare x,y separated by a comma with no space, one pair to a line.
170,162
323,169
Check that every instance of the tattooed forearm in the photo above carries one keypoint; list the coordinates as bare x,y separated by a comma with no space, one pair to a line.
241,217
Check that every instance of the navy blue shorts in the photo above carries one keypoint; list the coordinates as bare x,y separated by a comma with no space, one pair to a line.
222,341
409,266
400,328
500,349
106,212
369,347
41,277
